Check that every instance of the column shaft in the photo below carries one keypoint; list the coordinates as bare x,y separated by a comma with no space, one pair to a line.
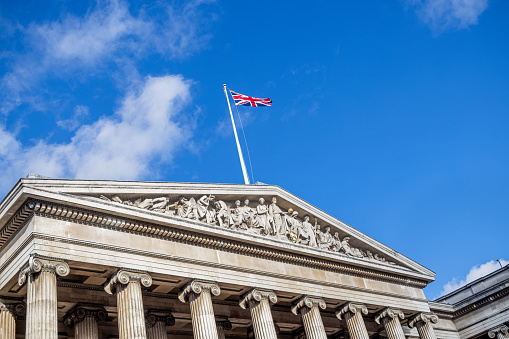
131,319
42,319
202,315
356,326
263,325
86,329
220,331
313,324
393,328
425,330
7,325
158,331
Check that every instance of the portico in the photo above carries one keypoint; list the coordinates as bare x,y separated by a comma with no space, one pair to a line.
120,261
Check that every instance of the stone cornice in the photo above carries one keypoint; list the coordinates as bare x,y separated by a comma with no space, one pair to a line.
459,311
96,219
423,317
17,220
351,308
197,287
124,277
257,294
37,264
309,302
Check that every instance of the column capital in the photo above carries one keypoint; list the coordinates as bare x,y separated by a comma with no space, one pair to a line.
424,317
223,322
37,264
124,277
503,329
353,308
308,301
154,316
82,310
16,308
197,287
258,295
389,312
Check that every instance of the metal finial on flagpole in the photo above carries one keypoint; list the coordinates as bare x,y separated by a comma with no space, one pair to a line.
242,164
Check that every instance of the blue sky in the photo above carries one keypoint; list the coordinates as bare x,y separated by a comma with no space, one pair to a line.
390,115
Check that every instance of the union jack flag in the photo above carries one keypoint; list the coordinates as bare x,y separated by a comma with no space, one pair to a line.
244,100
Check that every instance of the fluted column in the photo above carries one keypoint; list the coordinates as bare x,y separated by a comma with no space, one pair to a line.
84,318
41,275
258,301
157,322
423,321
9,312
127,286
199,294
500,332
222,324
352,312
390,318
309,308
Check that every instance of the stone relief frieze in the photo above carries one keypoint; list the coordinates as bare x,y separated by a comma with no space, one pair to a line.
265,219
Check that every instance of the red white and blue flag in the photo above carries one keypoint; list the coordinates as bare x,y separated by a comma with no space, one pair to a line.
244,100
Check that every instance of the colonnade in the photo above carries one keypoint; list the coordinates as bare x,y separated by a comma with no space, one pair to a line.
135,323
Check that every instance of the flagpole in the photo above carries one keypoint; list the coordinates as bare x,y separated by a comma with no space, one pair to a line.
242,164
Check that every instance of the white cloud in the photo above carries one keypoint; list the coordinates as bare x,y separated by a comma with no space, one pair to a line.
441,15
109,35
80,113
475,273
148,126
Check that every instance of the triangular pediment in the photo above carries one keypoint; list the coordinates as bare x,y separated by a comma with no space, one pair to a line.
264,212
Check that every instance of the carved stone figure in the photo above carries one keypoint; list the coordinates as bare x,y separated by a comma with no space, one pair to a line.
275,218
202,208
336,244
293,225
160,204
236,216
307,235
358,253
346,246
222,215
247,214
326,239
318,234
261,217
186,208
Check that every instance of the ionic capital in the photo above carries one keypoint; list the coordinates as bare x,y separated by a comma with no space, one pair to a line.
258,295
197,287
391,313
500,329
82,310
124,277
424,317
16,308
38,264
223,322
351,308
155,316
309,302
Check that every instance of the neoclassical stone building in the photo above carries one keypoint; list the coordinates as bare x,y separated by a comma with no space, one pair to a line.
134,260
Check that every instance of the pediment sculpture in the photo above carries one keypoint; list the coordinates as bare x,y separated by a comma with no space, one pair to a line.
265,219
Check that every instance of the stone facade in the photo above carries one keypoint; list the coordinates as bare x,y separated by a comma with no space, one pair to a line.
136,260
